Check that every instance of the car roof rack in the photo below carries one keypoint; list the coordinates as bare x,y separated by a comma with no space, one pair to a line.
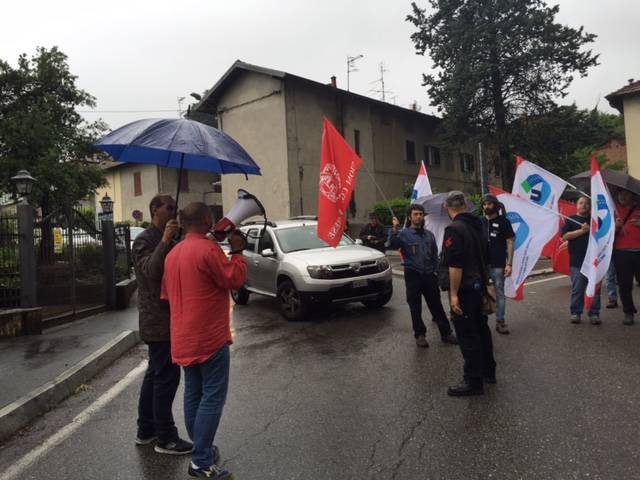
304,217
258,222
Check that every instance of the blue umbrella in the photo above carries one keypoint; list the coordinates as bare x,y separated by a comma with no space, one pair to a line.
178,143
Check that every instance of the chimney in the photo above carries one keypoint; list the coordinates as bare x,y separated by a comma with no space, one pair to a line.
631,80
334,84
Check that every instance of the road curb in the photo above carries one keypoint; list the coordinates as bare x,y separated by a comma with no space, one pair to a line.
19,413
398,272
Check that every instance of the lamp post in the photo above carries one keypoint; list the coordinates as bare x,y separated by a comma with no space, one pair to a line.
109,244
23,182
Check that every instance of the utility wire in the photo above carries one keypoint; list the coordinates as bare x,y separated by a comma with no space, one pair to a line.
126,111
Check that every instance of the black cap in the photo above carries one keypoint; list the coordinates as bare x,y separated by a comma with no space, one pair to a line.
489,198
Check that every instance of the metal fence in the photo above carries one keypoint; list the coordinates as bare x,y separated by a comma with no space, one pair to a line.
9,261
70,262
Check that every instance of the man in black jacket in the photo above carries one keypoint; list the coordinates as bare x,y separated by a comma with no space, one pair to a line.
464,256
160,383
373,234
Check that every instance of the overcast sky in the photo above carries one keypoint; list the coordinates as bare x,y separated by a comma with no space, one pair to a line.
142,55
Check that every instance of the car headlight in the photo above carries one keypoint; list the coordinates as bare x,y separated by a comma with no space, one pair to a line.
319,271
383,264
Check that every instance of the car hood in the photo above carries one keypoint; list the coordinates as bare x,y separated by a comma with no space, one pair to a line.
336,256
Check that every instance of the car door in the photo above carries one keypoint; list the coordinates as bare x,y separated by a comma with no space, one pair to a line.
251,256
266,267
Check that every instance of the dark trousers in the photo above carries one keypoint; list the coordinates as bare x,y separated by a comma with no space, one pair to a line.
158,390
474,338
417,286
627,267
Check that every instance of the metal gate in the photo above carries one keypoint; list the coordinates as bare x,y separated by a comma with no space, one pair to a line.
70,262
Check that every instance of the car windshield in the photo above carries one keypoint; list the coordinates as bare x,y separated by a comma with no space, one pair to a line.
304,237
135,231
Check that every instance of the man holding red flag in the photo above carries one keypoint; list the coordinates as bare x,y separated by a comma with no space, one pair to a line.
339,167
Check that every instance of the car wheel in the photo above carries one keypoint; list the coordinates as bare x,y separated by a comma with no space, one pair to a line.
292,305
380,301
240,296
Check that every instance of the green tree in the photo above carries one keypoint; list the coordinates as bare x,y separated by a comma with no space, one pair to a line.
564,139
496,61
41,131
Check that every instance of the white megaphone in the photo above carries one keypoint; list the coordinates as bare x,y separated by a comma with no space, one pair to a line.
246,206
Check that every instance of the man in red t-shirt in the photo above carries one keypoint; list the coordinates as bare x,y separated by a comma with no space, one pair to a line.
626,250
197,279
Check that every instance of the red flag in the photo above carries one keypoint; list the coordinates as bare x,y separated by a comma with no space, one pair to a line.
339,167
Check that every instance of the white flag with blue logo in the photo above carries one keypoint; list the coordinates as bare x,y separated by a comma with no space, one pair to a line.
534,227
536,184
601,234
422,187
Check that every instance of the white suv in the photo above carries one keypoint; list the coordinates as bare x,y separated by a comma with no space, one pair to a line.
291,263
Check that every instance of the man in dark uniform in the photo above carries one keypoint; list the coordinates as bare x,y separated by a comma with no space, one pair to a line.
499,236
420,259
464,257
373,234
160,383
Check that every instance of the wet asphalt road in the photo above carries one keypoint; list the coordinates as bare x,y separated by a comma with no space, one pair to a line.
347,395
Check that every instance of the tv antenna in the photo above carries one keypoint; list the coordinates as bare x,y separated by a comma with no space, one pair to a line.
351,67
380,80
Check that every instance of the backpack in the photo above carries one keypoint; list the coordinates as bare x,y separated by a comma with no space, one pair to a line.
443,273
443,269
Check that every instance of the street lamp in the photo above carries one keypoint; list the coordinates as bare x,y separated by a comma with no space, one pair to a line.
23,182
107,207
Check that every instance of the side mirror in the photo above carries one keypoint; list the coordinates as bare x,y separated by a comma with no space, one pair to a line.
358,241
267,252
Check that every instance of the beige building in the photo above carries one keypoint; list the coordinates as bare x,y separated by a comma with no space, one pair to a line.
627,101
132,186
277,118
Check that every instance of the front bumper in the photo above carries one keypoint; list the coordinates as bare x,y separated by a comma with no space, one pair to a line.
355,291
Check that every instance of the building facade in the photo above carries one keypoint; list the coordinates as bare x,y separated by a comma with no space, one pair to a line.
277,117
132,186
627,101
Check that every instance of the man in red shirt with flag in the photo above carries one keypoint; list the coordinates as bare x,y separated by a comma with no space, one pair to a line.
197,279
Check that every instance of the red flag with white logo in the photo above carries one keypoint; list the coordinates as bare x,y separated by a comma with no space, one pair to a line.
339,167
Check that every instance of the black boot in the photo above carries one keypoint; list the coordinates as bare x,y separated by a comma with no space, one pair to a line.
465,389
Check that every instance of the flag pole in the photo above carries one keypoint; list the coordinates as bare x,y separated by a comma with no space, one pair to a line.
378,187
557,213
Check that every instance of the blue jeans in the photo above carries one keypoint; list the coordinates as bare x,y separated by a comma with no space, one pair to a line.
578,287
497,275
612,284
205,391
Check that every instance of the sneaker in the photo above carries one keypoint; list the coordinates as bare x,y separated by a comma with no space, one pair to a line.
628,319
575,318
595,320
145,440
213,471
178,447
501,327
613,303
450,339
465,390
422,342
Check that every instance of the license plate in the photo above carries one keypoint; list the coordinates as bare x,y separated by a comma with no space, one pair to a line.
358,283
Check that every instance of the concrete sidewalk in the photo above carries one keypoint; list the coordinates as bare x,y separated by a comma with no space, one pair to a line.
39,371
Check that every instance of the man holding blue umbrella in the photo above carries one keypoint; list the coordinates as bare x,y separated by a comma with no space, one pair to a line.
160,383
